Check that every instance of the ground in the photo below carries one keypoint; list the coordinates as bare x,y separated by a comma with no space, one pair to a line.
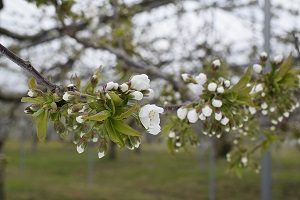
55,171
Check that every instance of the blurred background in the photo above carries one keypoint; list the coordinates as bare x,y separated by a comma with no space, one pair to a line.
160,38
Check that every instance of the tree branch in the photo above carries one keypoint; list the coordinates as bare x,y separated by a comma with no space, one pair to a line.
27,67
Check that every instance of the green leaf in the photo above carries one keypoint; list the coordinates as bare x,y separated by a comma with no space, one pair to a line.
112,133
41,124
115,98
35,100
283,69
243,81
32,83
101,116
124,128
127,113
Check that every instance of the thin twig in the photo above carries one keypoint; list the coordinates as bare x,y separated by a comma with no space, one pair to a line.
27,67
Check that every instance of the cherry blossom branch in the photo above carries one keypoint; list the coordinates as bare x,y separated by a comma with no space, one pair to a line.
26,65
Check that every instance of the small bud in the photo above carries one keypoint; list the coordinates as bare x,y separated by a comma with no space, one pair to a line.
136,95
192,116
185,77
202,117
101,154
207,111
225,121
217,103
182,112
67,96
257,68
80,148
201,78
264,105
218,116
227,83
220,89
80,119
212,87
263,56
124,87
31,93
286,114
172,134
216,63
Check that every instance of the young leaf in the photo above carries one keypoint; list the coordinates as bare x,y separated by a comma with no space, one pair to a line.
116,99
36,100
124,128
112,133
32,83
128,112
101,116
283,69
41,124
243,81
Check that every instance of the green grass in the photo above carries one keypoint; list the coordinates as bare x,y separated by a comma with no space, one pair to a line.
56,171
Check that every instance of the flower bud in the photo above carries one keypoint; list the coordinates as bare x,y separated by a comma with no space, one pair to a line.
263,56
201,78
224,121
182,112
257,68
212,87
220,89
218,116
217,103
80,148
185,77
67,96
136,95
202,117
227,83
124,87
172,134
192,116
216,63
207,111
80,119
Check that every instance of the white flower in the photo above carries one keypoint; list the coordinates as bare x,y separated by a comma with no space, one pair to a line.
67,96
274,122
263,54
212,87
137,95
149,117
264,112
80,119
263,94
218,116
272,109
286,114
107,96
172,134
280,119
257,68
244,160
216,63
182,112
207,111
69,111
185,77
31,93
227,83
278,59
95,139
264,105
225,121
227,129
272,128
137,144
82,134
111,85
192,116
258,88
201,78
123,87
178,144
101,154
140,82
220,89
202,117
80,148
228,157
217,103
